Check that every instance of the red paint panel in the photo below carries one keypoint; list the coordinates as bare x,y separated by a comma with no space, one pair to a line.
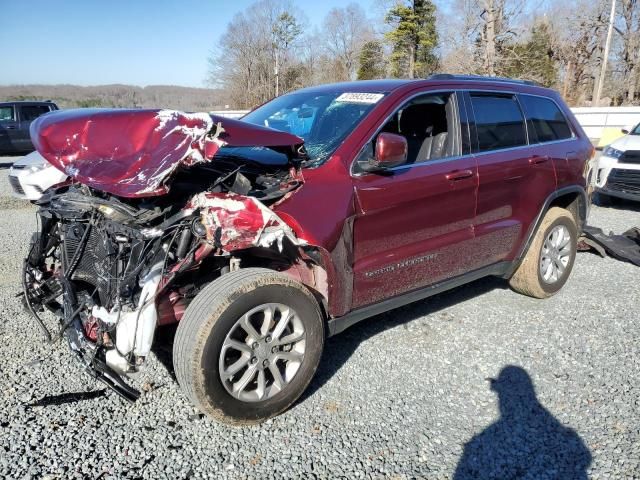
414,228
235,222
242,134
321,212
171,308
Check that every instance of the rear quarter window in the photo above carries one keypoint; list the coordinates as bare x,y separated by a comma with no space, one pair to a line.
545,118
6,113
499,121
31,112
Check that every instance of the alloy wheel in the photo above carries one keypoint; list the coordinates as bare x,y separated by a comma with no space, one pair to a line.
262,352
556,253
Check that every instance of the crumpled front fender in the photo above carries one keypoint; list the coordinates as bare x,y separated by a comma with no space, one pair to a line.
236,222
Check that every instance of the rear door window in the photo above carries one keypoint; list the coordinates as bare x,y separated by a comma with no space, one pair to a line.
7,114
545,118
31,112
499,121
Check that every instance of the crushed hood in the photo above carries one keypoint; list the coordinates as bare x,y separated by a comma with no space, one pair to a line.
133,153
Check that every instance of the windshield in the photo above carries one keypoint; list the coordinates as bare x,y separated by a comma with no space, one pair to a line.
636,131
323,120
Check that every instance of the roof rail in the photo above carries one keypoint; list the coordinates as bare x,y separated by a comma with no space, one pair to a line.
479,78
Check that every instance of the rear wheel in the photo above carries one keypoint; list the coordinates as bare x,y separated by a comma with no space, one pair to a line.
549,260
248,345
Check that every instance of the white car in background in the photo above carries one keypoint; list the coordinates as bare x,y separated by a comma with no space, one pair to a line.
31,175
618,168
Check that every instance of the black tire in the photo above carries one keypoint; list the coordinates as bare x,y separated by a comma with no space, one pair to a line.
212,315
527,279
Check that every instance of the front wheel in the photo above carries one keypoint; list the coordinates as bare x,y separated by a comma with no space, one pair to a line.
248,345
549,260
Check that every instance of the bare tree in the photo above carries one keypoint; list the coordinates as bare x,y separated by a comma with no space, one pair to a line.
269,49
498,29
629,30
286,31
481,33
459,37
578,49
256,52
345,32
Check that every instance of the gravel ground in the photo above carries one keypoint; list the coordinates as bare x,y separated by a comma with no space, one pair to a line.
402,395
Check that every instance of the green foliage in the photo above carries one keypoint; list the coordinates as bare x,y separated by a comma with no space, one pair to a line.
371,61
413,38
532,59
89,103
285,30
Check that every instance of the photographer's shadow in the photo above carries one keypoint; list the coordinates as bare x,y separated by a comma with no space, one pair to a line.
526,442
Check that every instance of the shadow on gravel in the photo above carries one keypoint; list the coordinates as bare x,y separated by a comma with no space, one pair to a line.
163,348
67,398
338,349
616,204
526,442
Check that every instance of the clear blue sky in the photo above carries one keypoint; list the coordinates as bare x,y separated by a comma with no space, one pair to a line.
139,42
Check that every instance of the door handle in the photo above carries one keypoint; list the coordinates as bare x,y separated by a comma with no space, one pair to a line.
10,127
537,160
458,175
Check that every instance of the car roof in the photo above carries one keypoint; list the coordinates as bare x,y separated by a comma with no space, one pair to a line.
26,102
367,86
464,81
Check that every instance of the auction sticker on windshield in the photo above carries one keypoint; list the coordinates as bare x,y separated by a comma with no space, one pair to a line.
360,97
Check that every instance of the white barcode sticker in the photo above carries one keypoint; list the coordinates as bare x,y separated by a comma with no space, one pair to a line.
353,97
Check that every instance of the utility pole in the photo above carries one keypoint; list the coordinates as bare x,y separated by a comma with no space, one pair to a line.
605,56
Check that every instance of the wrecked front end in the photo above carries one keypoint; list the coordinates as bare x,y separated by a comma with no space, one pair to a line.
114,260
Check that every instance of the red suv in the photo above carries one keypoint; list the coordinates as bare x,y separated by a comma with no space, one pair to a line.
319,209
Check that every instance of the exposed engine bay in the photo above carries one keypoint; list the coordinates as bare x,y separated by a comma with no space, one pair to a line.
113,267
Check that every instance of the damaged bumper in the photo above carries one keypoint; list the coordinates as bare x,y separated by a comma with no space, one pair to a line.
144,223
112,279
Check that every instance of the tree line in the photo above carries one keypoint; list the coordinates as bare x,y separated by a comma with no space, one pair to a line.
119,96
270,48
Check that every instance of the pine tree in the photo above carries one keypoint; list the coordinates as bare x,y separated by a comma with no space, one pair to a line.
533,59
371,61
285,31
413,38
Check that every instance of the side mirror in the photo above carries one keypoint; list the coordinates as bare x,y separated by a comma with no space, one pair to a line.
625,130
391,151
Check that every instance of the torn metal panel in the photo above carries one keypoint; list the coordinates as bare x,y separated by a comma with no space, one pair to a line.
237,133
311,275
125,152
133,153
235,222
